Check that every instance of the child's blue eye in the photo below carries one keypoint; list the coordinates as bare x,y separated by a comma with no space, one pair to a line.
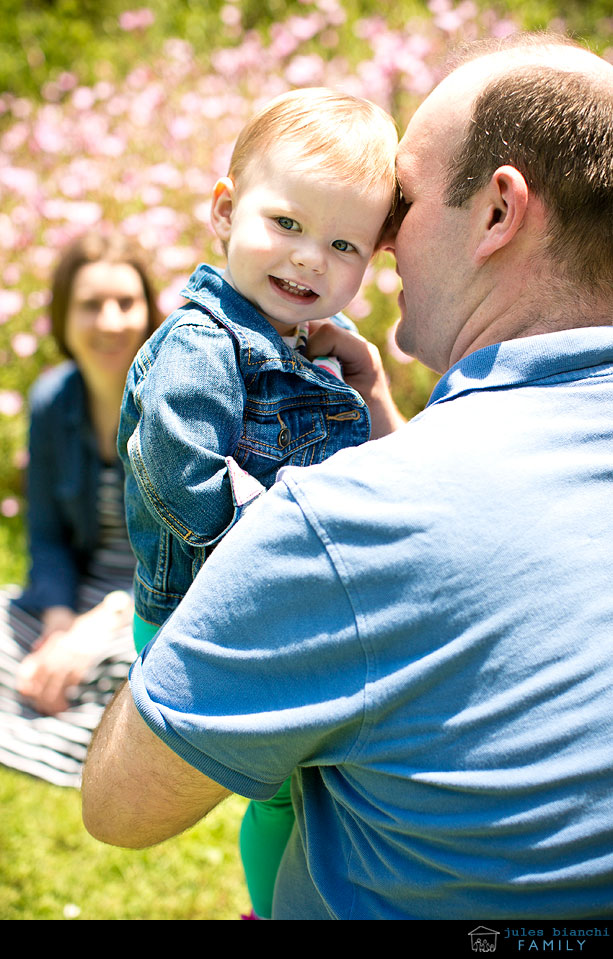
286,223
343,246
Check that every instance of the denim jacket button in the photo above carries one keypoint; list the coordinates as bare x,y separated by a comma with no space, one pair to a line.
284,437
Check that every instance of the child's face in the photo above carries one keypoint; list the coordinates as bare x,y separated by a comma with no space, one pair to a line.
298,242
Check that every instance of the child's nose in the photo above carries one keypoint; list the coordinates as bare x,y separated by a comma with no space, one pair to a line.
310,256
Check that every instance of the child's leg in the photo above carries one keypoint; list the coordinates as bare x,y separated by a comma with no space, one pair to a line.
265,829
142,632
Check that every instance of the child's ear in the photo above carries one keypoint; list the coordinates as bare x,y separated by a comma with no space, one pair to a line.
222,207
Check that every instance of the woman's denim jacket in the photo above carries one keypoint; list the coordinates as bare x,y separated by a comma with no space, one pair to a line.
63,477
215,404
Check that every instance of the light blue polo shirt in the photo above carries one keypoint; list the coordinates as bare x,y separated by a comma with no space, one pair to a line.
427,644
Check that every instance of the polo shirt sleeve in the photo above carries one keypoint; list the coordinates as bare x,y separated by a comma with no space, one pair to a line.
260,669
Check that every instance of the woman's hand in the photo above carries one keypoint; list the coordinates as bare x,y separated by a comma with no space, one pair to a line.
362,369
68,646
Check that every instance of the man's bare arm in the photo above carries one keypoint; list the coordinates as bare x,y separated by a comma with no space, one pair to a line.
136,791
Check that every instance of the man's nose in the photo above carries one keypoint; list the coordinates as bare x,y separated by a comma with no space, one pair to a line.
310,256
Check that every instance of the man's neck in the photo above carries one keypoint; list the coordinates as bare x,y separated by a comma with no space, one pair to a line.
547,312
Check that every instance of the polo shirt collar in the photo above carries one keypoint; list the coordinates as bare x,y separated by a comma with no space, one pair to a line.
525,360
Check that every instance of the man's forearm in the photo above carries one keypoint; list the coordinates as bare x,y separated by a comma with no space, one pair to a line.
136,791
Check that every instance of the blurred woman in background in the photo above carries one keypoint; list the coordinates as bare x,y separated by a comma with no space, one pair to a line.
65,642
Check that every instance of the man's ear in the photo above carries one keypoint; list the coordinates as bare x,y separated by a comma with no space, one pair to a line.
503,211
222,208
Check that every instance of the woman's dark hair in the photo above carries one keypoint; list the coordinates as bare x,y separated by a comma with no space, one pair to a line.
92,248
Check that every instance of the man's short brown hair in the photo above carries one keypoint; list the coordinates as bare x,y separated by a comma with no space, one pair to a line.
556,128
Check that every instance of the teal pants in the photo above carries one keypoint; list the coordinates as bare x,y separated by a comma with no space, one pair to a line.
265,829
142,632
266,826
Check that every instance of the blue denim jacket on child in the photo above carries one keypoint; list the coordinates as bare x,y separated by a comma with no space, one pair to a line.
215,403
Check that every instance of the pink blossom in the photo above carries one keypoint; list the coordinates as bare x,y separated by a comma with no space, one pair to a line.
83,98
14,138
231,16
283,41
305,71
9,506
166,175
103,90
12,274
21,108
9,239
177,49
177,258
11,402
450,21
393,349
52,91
387,280
19,180
171,298
439,6
180,128
304,28
39,298
42,325
117,105
138,78
24,344
11,302
112,146
136,19
83,213
505,28
42,257
199,181
359,308
151,195
67,81
21,458
202,211
49,134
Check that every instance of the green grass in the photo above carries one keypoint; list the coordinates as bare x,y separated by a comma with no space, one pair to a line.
50,868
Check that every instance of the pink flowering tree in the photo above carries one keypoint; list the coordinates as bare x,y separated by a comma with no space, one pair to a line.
144,148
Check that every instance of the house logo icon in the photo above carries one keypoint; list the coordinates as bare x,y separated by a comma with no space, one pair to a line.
483,939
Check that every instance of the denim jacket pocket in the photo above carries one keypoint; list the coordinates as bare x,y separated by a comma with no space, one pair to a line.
295,434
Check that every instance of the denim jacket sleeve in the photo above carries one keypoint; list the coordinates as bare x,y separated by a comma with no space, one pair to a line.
189,403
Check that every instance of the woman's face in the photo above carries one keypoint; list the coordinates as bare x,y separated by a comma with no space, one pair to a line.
107,318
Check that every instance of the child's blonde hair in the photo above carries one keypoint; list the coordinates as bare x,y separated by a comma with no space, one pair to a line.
348,137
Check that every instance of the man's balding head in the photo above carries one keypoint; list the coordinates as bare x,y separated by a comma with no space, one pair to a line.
507,167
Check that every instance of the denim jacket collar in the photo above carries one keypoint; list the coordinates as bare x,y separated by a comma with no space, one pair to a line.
259,343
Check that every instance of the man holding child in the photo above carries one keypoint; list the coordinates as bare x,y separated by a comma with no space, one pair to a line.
425,644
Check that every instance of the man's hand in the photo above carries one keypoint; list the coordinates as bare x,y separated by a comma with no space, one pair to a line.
136,791
362,369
